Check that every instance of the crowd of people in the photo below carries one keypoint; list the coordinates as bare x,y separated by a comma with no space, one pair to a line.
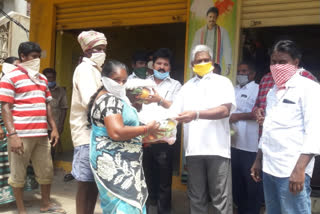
245,145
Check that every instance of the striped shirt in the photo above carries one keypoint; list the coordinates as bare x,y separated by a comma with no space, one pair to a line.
29,110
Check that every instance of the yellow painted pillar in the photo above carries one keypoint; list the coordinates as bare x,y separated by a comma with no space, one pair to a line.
42,29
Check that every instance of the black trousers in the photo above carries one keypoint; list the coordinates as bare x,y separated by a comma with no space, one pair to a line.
157,165
247,194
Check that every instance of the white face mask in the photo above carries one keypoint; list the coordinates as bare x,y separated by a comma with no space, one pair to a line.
32,67
115,88
242,79
98,58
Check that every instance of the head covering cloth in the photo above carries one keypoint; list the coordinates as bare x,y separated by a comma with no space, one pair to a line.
90,39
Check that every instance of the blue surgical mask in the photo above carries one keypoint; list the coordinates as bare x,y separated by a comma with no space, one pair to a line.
160,75
52,84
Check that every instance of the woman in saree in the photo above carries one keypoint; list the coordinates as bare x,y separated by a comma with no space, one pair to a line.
116,144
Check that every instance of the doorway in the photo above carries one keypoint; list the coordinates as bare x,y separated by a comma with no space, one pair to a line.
122,43
257,43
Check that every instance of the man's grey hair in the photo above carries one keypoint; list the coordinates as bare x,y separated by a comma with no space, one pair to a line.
201,48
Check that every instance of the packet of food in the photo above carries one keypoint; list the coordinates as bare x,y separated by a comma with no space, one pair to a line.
169,127
140,88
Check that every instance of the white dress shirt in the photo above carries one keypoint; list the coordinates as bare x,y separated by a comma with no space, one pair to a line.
291,126
205,137
168,90
247,130
86,81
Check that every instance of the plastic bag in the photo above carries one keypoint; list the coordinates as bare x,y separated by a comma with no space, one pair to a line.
169,135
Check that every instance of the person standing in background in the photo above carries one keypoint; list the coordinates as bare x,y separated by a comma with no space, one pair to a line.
247,195
86,81
59,102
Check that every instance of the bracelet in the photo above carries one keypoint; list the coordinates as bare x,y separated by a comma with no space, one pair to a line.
14,133
197,115
160,102
145,130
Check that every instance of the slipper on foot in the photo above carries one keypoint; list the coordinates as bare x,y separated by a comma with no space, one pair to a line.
54,210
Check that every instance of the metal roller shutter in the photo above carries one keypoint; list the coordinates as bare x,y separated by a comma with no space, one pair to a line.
102,13
267,13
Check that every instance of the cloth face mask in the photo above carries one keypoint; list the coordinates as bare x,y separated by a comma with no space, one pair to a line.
203,68
32,67
159,75
242,79
52,84
98,58
140,72
281,73
115,88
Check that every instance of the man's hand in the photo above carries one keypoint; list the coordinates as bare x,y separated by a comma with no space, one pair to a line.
16,144
259,114
54,137
186,116
153,98
296,180
2,134
234,118
256,170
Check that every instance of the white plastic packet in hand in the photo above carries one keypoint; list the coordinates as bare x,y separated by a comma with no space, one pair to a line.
168,135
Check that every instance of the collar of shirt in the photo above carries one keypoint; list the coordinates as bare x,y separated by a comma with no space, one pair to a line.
205,77
166,79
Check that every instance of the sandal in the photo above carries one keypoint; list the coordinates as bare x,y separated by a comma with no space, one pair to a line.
68,177
54,210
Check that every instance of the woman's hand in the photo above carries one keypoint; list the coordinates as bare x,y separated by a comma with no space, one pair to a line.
153,128
2,134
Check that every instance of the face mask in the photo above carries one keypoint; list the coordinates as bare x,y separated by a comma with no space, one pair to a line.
140,72
7,67
159,75
32,67
203,68
98,58
242,79
115,88
52,84
281,73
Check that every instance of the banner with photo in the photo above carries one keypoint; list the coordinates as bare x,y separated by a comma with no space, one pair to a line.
213,23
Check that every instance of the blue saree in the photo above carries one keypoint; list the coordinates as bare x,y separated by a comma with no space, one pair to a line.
117,165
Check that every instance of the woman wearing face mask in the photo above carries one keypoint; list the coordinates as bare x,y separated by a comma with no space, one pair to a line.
86,81
116,148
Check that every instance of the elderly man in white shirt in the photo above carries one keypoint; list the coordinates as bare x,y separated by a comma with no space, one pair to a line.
247,194
290,137
157,158
204,104
86,81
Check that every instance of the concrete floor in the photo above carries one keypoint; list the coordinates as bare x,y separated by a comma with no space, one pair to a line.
63,194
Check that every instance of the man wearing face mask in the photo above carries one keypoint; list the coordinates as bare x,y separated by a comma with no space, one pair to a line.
205,111
289,141
25,99
139,65
86,81
58,104
157,158
247,195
